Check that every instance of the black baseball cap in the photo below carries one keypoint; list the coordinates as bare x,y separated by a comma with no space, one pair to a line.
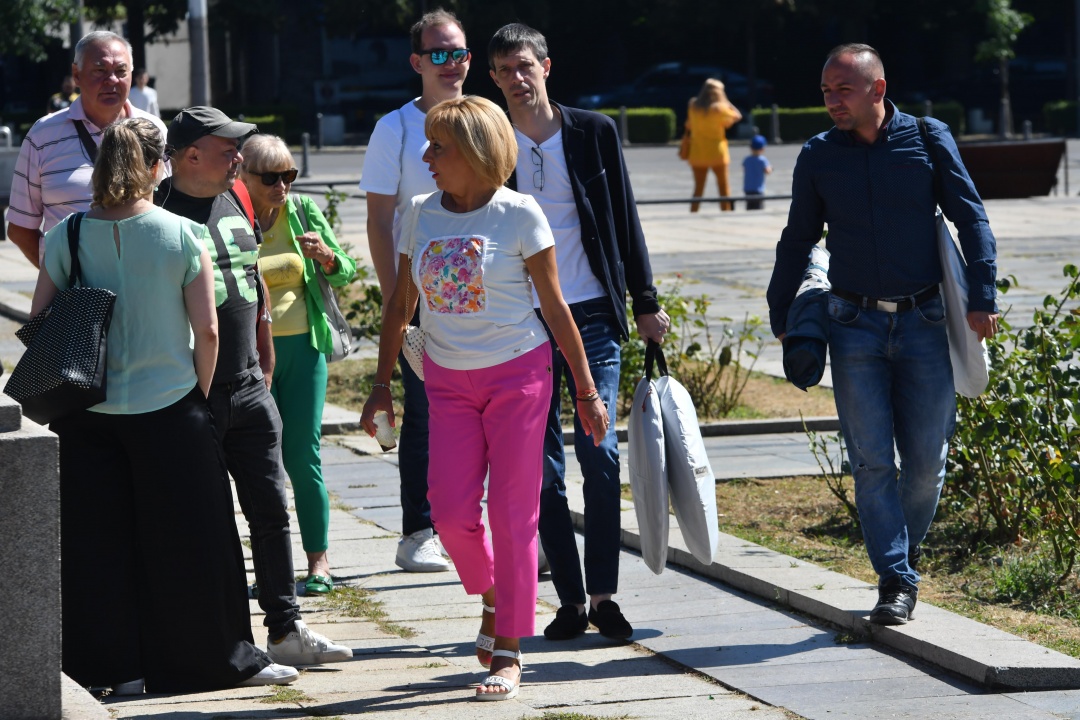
195,122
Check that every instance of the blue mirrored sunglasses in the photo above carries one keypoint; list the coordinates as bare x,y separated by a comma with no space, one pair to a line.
439,57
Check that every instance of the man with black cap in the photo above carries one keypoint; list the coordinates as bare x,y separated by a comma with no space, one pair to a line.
204,147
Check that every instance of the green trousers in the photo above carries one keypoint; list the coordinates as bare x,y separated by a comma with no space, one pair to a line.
299,389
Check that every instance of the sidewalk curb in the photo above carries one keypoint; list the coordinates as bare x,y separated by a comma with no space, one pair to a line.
990,657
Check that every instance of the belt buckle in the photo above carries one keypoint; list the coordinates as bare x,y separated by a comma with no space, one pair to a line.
888,306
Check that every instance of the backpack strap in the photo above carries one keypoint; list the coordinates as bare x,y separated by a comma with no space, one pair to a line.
240,192
401,150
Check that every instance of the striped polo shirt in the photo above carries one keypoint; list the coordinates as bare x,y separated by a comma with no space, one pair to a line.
52,174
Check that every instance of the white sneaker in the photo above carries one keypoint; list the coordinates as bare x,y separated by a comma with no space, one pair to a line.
131,687
304,647
419,552
272,674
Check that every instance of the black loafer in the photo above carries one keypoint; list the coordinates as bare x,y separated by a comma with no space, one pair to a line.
567,625
895,606
609,620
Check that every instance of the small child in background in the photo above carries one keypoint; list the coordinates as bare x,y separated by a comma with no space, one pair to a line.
755,167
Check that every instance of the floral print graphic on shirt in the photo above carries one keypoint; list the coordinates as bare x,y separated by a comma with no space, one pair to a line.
451,274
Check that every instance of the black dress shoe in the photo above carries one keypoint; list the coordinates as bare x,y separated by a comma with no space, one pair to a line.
567,625
895,606
609,620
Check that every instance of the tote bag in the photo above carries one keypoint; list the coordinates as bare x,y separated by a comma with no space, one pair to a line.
64,367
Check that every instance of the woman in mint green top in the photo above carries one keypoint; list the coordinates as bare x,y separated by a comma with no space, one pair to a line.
149,543
297,244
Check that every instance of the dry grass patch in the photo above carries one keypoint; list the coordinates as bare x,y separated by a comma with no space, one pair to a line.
799,517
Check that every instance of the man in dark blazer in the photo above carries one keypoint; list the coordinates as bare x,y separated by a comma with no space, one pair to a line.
571,162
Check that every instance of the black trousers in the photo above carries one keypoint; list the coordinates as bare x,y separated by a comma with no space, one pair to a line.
249,430
152,573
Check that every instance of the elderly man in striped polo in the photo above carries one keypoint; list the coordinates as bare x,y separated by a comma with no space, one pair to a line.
52,174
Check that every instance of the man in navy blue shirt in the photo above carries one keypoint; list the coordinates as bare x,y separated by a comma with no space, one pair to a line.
871,179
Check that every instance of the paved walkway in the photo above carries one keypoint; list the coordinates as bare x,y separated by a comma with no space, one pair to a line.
692,631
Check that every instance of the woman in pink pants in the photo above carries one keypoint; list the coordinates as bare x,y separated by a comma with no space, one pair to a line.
474,252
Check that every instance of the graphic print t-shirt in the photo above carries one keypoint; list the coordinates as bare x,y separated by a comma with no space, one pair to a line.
475,291
234,249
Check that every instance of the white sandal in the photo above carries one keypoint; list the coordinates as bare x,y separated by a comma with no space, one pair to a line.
511,687
485,642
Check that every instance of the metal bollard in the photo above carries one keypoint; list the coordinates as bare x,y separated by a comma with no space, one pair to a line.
319,136
5,133
624,126
775,125
305,146
1027,129
928,108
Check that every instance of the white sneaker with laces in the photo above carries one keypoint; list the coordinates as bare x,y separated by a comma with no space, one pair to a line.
419,552
305,647
272,674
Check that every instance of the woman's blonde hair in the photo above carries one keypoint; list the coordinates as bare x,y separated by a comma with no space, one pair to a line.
481,132
265,152
712,95
124,169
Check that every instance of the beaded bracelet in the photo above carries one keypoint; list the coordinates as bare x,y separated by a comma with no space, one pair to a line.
589,397
586,394
378,385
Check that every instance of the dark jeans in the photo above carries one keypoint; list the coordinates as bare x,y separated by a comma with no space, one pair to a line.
755,204
151,564
599,329
413,453
249,431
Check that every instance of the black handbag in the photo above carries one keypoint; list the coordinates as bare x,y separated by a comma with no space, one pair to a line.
64,368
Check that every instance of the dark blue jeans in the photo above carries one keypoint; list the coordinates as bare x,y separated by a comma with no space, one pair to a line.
249,430
413,453
893,383
599,330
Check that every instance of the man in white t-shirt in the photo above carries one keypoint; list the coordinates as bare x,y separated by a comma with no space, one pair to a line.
143,96
571,162
56,160
393,173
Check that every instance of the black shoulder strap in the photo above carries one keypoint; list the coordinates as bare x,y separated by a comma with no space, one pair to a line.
302,212
74,222
932,152
87,141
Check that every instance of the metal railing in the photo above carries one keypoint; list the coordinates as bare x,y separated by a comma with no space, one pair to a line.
331,184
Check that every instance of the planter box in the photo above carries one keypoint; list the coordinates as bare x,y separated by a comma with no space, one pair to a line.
1013,169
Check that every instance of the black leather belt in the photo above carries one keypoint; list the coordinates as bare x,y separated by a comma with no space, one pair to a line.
892,306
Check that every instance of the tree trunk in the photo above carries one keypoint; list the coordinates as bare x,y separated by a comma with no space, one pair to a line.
136,20
1005,125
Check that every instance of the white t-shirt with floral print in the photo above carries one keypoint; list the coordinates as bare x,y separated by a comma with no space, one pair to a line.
476,299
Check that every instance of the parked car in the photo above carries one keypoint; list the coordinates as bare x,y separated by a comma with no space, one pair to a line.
672,84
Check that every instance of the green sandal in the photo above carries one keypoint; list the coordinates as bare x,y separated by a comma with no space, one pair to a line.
318,585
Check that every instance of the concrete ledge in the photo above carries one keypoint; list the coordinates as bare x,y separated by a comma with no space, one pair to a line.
990,657
78,704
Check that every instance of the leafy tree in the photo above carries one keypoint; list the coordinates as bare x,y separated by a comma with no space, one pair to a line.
162,16
1003,24
27,25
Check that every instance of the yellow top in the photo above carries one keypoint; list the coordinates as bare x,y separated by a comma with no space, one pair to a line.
283,268
708,135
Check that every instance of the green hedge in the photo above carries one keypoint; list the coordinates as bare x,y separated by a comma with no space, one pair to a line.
1060,117
801,124
268,124
646,125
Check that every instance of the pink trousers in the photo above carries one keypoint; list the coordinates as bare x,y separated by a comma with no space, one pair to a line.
490,422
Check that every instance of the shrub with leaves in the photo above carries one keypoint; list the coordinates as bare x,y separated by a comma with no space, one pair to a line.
1015,457
709,362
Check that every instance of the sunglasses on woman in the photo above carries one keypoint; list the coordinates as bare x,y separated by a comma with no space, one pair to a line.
439,57
270,179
